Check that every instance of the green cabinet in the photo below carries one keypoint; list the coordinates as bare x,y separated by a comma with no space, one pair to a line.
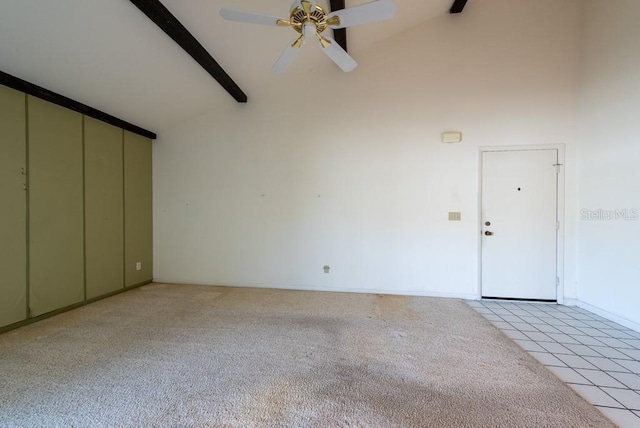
104,202
56,207
138,207
13,214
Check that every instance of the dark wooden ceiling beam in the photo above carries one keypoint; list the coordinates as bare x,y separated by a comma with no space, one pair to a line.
458,6
55,98
339,35
164,19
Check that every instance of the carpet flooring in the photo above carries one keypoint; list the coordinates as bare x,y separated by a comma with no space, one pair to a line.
183,355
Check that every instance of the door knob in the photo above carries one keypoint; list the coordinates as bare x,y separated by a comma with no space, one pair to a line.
487,233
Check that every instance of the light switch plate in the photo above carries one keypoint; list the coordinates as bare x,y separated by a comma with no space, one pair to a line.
455,216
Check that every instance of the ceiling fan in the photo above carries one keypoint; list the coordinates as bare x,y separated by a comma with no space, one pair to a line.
310,20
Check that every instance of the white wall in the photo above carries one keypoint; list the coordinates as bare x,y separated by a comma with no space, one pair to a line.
347,169
609,249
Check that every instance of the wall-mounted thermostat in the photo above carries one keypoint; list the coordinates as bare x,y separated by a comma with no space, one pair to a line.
451,137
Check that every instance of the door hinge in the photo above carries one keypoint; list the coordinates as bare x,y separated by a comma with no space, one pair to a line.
557,225
557,165
557,281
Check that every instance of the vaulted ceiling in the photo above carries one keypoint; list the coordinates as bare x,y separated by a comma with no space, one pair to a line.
109,55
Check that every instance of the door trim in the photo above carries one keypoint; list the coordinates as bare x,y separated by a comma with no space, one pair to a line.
559,203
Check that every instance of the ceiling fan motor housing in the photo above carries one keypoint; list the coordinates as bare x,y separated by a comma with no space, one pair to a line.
318,17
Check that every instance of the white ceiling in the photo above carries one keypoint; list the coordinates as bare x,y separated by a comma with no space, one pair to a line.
109,55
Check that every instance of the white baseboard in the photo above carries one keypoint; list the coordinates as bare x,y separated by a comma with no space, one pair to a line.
419,293
603,313
470,296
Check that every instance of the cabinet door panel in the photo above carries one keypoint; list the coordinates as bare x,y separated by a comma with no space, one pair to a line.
13,228
104,212
56,229
138,209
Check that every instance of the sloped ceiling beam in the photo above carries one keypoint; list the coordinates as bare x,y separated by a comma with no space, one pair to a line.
164,19
55,98
339,35
458,6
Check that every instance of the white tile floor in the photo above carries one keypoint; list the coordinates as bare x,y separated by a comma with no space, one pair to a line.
596,357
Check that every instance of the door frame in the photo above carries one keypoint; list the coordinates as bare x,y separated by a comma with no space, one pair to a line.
560,215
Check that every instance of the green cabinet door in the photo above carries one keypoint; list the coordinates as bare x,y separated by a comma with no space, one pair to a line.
13,213
56,211
138,218
104,207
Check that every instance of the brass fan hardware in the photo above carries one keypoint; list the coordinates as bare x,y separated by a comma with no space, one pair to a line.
334,20
308,20
298,42
300,15
324,42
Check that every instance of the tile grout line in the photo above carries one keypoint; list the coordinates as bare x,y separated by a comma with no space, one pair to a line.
617,401
586,332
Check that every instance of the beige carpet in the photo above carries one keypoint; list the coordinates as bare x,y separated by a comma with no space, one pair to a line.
171,355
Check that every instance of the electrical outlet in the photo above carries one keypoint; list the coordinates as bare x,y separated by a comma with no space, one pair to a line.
138,265
455,216
326,268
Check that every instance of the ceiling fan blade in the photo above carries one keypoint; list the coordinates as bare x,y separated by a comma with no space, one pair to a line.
374,11
251,18
288,56
338,55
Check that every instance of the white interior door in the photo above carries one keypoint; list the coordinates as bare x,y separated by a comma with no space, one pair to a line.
519,224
